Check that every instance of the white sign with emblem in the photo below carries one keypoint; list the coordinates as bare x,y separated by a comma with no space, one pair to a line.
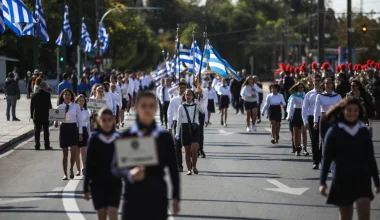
131,152
96,104
57,115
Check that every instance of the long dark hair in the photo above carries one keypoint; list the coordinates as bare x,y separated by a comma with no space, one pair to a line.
85,100
246,82
336,112
184,95
323,87
60,97
294,88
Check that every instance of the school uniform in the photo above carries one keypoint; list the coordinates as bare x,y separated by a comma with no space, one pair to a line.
203,115
225,96
212,99
116,100
85,116
126,93
158,90
250,96
273,106
172,124
163,95
295,109
109,98
323,102
147,199
105,188
188,114
308,107
350,154
68,131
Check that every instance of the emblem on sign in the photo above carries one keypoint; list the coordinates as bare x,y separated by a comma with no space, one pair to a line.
135,145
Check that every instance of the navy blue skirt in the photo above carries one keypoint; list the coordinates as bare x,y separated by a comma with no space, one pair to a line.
68,135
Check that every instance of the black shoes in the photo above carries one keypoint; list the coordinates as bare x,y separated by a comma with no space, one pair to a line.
258,121
202,154
48,148
315,166
15,119
37,147
180,169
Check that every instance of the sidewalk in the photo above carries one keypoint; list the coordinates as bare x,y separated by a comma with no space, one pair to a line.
14,131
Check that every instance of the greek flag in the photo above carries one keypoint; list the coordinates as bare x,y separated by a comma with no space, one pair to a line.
59,41
66,36
18,12
86,40
159,73
41,23
103,39
196,56
184,55
7,16
28,30
2,24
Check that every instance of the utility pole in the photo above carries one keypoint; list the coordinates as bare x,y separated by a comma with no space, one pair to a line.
97,32
349,40
79,47
35,42
321,31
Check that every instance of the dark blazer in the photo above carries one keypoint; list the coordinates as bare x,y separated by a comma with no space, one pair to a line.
40,105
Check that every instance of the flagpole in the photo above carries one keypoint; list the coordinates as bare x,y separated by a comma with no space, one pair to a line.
200,68
80,42
35,40
65,42
163,56
179,62
193,33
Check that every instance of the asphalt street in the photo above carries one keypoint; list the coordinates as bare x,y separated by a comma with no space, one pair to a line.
243,177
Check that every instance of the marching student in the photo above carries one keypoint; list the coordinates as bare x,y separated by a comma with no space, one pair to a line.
82,144
68,131
100,94
308,107
108,95
250,93
133,88
212,100
273,103
172,121
349,146
117,103
203,116
164,97
103,186
126,93
158,90
323,102
188,128
225,97
295,117
145,191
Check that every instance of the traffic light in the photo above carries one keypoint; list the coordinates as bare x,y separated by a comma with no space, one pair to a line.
61,59
364,29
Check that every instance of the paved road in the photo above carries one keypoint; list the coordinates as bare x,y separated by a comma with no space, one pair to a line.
243,177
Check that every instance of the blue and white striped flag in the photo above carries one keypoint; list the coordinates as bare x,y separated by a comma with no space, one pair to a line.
196,56
184,55
66,27
18,12
59,40
103,39
28,30
15,27
2,24
86,40
41,23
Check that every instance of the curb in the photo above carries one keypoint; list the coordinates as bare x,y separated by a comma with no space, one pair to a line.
16,139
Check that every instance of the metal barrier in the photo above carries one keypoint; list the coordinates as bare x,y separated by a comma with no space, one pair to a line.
375,129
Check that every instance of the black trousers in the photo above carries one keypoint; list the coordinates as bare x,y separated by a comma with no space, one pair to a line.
324,126
37,132
178,146
201,129
165,107
238,103
161,112
314,137
259,111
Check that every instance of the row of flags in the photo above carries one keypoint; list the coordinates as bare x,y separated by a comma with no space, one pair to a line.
15,15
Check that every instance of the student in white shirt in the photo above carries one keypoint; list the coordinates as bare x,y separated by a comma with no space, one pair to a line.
82,144
158,90
163,95
308,120
108,95
68,131
273,103
225,97
323,102
172,121
117,103
131,84
203,116
212,100
295,117
188,128
250,94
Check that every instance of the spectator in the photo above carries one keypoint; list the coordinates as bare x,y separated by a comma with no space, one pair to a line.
12,91
39,112
83,87
28,80
65,84
94,78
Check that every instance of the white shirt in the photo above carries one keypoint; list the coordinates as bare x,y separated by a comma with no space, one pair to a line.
272,99
174,91
248,91
108,102
163,94
211,94
295,102
216,83
85,117
309,105
73,115
189,79
173,109
324,102
182,117
146,80
116,100
109,97
131,83
136,85
224,91
118,87
125,90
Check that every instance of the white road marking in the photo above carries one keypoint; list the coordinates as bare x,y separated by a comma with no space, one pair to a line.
54,192
285,189
69,203
223,132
